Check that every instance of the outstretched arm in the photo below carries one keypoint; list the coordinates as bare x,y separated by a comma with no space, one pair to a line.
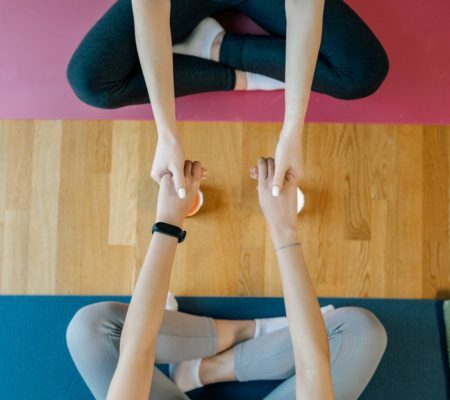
133,375
154,45
303,36
306,325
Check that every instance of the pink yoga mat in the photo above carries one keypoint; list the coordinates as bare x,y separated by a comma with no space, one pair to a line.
37,39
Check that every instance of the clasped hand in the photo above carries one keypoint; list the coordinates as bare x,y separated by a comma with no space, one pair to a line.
280,212
169,157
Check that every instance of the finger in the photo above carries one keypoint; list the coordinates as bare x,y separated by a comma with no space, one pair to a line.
156,175
290,177
187,168
278,179
180,182
197,170
165,176
262,170
254,171
270,168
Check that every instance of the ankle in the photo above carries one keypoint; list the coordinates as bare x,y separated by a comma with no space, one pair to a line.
219,368
241,80
216,45
229,332
207,368
245,331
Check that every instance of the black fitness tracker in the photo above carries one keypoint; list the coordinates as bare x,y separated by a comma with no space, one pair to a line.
170,230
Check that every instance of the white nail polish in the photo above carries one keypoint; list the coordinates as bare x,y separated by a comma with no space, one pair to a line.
275,191
181,193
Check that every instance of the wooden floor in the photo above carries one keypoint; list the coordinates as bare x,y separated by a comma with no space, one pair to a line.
77,203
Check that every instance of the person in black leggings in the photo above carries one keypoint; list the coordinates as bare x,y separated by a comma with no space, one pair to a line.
106,72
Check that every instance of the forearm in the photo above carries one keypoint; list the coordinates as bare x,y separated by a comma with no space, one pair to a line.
133,375
302,307
154,45
146,308
303,36
306,325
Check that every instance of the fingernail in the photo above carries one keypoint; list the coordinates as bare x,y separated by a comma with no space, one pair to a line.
275,191
181,193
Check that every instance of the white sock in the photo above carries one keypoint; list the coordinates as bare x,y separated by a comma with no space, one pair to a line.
171,302
262,82
186,374
268,325
200,41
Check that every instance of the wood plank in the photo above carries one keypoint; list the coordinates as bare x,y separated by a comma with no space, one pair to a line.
71,205
19,162
43,218
123,183
356,183
14,271
405,244
104,268
4,134
436,219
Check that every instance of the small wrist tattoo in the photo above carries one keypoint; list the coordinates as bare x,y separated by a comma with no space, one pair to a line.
288,245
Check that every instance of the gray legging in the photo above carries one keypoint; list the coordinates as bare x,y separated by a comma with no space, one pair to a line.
357,342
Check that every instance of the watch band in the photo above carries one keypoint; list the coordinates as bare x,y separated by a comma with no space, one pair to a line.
170,230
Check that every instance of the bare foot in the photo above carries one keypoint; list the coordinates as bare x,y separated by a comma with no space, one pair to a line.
241,81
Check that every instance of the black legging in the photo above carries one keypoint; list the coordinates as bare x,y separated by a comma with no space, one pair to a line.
105,70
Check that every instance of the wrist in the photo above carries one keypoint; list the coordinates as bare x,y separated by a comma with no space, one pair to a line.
169,136
283,234
292,131
171,220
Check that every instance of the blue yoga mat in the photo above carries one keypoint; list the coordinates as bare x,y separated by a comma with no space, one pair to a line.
35,363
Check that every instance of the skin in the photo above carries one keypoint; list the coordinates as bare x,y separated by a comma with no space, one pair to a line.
303,35
306,325
154,45
153,38
132,378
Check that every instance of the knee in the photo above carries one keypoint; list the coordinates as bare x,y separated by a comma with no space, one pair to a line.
85,85
366,76
368,325
87,324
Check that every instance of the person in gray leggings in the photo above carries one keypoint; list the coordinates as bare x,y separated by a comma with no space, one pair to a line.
318,356
356,337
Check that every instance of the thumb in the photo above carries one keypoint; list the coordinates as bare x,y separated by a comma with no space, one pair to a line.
277,182
179,182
